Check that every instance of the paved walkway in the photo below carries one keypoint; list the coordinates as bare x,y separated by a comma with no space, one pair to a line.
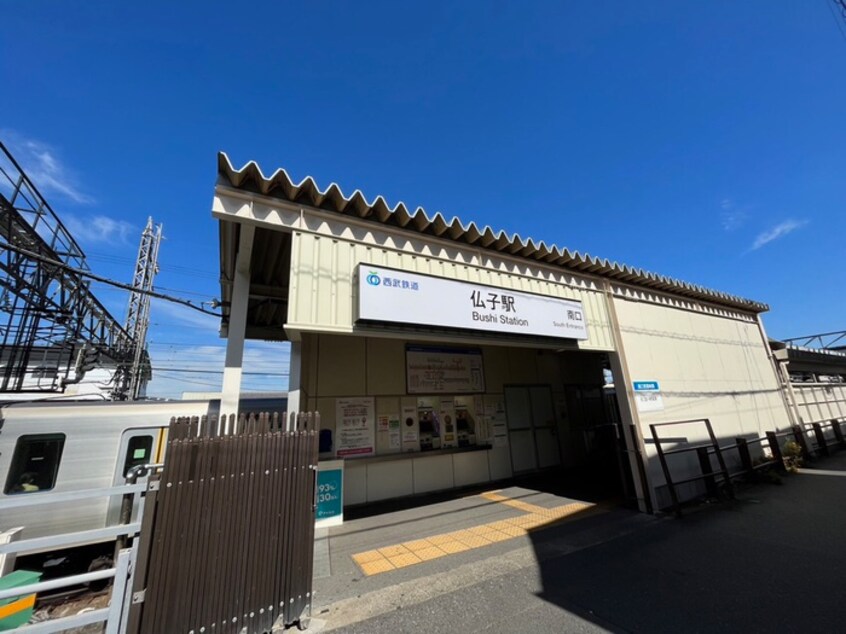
773,560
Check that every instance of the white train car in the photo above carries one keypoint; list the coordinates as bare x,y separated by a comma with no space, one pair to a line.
71,446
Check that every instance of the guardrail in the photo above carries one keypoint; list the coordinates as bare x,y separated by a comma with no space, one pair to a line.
714,478
121,572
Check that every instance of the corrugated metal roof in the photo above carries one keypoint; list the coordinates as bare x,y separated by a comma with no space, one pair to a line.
307,192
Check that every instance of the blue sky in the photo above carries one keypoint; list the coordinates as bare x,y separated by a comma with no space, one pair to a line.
700,140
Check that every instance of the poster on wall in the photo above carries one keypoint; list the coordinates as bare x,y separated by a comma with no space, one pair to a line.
394,432
444,370
446,414
354,423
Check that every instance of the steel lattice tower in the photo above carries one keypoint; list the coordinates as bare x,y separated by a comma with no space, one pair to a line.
138,312
48,315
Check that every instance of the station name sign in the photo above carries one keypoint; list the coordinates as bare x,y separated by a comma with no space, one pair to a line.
408,298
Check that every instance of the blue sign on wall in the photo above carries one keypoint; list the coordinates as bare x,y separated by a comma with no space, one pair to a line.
330,493
646,386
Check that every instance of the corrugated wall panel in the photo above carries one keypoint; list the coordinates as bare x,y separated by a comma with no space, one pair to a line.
819,403
323,294
707,366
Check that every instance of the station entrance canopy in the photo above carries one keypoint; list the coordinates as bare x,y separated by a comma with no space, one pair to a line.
355,284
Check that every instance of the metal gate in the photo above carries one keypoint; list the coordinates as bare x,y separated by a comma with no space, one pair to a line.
227,537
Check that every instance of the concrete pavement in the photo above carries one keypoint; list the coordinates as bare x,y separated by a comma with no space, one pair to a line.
772,560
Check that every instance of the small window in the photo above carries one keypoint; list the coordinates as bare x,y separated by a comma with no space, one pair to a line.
137,452
35,463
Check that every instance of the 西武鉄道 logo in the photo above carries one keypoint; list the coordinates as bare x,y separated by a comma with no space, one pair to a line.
373,279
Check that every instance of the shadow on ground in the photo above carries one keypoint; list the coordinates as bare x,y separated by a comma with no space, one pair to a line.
772,560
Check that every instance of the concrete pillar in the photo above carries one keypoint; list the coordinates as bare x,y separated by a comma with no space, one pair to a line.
782,377
628,412
231,390
295,379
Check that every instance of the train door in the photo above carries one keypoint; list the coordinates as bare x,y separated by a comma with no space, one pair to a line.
532,430
137,447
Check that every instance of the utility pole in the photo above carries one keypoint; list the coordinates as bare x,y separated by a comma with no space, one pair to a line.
128,386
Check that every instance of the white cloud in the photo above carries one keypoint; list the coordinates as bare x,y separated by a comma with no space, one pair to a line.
99,228
732,216
778,231
42,164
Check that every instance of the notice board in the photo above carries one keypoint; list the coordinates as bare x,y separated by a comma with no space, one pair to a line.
355,426
437,370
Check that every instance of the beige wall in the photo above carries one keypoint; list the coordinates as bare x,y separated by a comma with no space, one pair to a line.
323,295
820,402
709,364
337,366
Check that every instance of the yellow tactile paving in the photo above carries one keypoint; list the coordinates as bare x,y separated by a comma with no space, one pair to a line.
393,551
453,547
408,553
375,567
370,555
401,561
473,541
498,536
433,552
439,539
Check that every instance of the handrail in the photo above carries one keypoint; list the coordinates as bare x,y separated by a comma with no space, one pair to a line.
120,572
798,432
67,539
703,457
55,584
19,500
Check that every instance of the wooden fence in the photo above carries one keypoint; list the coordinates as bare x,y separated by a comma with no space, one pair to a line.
227,537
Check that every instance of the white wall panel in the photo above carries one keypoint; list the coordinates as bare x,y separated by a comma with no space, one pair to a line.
708,365
355,483
820,402
432,473
470,468
322,296
390,479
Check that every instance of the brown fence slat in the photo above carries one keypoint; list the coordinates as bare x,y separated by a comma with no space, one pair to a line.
228,539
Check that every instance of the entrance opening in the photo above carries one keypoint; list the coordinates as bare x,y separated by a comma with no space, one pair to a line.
567,439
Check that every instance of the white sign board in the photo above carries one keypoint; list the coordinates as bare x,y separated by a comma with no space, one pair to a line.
444,370
648,396
354,424
408,298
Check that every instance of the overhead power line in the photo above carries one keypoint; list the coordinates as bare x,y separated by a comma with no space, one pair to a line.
105,280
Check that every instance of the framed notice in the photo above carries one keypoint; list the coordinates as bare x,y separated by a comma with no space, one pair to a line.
355,420
430,370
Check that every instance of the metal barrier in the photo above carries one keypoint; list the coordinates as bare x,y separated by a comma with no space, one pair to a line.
709,476
111,616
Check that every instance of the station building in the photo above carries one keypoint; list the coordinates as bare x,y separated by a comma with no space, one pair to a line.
442,354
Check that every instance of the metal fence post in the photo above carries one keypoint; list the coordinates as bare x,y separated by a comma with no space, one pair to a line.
801,440
745,456
822,443
775,449
838,433
707,470
118,590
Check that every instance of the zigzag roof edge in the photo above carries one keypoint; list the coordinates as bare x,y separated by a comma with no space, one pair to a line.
513,243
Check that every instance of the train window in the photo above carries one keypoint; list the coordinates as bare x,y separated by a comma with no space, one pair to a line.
138,452
35,463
